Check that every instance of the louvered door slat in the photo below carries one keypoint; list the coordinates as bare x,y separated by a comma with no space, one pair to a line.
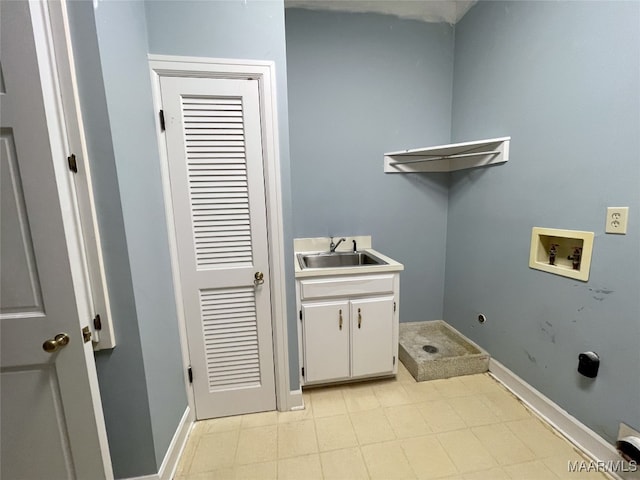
231,337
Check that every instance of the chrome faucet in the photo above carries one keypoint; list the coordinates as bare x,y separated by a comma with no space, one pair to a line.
333,246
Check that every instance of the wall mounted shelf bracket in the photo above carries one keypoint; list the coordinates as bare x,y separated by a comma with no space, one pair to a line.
448,158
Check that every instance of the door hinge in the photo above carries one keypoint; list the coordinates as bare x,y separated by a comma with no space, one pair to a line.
190,374
73,164
86,334
162,126
300,315
97,322
303,371
394,306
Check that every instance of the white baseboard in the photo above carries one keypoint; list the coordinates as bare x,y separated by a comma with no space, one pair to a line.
588,441
176,447
295,400
174,452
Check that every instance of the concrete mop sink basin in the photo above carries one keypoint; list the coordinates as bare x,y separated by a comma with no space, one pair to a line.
338,259
433,349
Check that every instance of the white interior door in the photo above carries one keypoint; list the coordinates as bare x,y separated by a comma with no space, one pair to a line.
49,425
214,151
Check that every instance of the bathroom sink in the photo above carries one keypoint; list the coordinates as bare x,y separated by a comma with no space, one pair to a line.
333,260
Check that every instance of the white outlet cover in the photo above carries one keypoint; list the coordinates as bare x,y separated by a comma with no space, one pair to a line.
617,220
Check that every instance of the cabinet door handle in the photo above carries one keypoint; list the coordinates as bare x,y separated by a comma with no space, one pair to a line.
340,321
359,318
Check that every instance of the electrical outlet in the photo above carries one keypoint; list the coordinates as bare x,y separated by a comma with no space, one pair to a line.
617,220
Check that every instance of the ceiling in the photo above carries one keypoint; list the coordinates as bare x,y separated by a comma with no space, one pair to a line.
449,11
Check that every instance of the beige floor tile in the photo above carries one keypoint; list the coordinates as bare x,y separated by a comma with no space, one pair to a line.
440,416
306,398
427,457
387,461
257,471
422,392
225,424
466,451
187,455
328,402
505,405
200,428
372,426
503,445
406,421
505,440
259,419
403,374
480,383
228,473
539,438
306,467
359,398
343,464
296,415
258,444
335,432
473,411
535,470
214,451
559,465
391,394
452,387
297,438
491,474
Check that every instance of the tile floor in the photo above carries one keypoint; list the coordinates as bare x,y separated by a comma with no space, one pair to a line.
460,428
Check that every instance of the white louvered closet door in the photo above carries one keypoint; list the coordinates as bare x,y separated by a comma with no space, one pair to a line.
214,149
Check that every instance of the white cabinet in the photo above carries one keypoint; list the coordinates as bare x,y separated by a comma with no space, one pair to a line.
349,327
372,352
326,341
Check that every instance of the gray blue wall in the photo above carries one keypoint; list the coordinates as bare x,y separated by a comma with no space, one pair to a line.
562,79
121,373
361,85
141,380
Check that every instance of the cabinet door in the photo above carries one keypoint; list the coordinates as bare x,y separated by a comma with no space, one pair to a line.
326,341
372,336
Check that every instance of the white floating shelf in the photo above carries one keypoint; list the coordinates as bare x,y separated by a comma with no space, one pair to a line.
448,158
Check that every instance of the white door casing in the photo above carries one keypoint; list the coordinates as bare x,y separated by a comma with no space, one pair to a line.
52,423
103,335
214,152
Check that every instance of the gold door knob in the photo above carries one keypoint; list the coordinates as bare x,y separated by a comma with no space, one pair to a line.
258,278
54,344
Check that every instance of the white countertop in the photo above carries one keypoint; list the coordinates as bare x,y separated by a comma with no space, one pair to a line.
321,245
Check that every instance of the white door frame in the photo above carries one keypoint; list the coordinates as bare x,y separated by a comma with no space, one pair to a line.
56,13
264,73
48,42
